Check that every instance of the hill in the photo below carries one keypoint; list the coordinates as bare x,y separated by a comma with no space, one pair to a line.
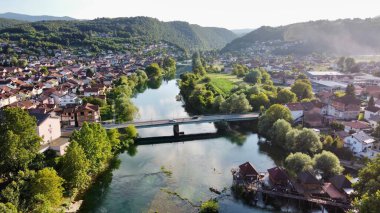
30,18
106,33
6,23
348,36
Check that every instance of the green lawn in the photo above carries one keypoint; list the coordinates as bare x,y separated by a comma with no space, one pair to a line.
225,82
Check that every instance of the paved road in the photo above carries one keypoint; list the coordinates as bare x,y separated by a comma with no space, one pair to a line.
180,121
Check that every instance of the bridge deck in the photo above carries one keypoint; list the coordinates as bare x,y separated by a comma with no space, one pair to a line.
181,121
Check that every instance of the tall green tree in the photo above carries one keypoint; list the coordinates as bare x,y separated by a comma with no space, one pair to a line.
369,181
236,104
298,162
94,140
125,110
302,90
280,128
286,96
328,163
254,77
153,71
19,142
274,113
47,183
8,208
75,168
369,203
114,138
259,100
307,141
198,67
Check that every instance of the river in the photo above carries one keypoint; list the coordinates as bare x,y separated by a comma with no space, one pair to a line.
137,184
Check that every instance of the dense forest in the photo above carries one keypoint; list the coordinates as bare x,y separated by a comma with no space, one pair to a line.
348,36
105,33
5,23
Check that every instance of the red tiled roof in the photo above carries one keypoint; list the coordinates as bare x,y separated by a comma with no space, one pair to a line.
247,169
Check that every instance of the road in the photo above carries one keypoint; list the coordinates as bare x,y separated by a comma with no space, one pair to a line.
188,120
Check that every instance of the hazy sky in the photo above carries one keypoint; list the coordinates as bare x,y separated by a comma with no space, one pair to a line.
232,14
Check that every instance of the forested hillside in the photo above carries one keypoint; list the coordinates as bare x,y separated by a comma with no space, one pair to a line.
6,23
348,36
108,33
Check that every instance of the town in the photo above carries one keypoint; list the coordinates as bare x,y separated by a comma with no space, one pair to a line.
136,114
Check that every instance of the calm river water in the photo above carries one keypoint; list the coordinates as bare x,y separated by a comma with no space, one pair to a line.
137,184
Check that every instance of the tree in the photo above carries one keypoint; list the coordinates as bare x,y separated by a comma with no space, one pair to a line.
307,141
259,100
328,141
19,142
47,183
210,206
8,208
22,63
236,104
44,70
265,77
169,65
125,110
90,72
286,96
350,90
75,167
371,102
240,70
114,138
369,181
302,90
254,77
280,128
290,139
274,113
14,61
198,67
131,132
298,162
328,163
95,143
153,71
368,203
18,191
336,126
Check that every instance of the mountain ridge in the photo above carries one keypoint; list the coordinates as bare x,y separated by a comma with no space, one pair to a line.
83,32
34,18
342,36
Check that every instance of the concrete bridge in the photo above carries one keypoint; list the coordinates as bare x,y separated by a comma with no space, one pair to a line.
174,122
182,121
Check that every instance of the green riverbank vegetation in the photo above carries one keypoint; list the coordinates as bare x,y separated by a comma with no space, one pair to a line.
42,182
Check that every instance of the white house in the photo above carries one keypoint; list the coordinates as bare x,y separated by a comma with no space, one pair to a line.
371,111
48,127
361,144
69,99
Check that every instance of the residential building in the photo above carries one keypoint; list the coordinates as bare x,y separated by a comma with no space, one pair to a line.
48,127
361,144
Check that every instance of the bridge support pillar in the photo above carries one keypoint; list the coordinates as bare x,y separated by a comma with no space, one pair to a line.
176,130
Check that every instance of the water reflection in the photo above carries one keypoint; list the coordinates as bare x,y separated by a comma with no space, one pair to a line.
137,185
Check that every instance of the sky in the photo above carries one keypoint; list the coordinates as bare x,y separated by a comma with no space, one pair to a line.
231,14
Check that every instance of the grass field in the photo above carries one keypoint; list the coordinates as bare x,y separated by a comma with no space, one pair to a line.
225,82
